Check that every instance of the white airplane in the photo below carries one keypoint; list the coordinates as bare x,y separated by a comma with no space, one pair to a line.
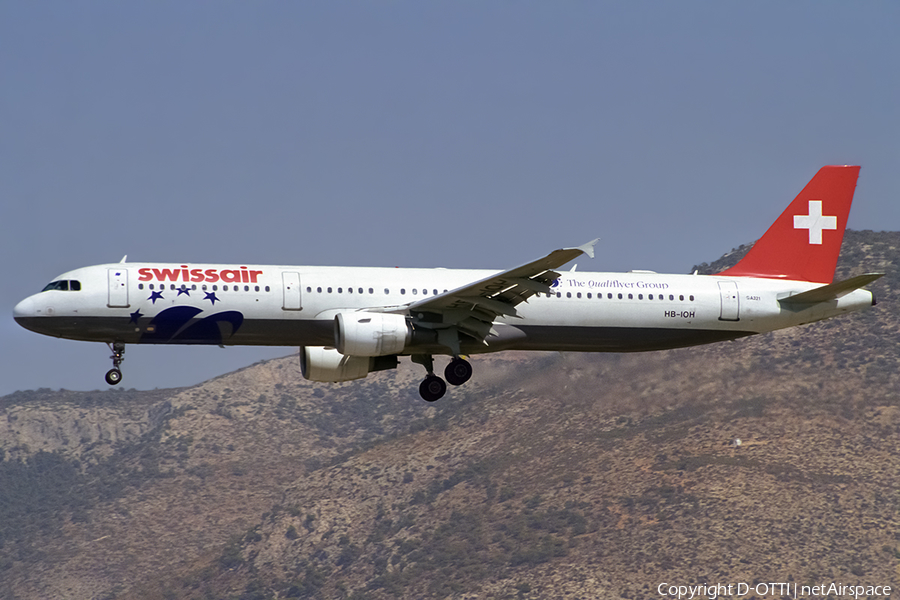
351,321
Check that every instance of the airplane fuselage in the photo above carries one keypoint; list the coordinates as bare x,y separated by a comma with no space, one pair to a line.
264,305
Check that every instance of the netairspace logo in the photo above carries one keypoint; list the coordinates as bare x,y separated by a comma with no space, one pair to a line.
788,589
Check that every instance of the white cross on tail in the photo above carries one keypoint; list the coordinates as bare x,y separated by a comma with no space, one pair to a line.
815,222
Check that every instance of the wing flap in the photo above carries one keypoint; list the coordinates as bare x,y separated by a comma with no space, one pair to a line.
530,284
495,306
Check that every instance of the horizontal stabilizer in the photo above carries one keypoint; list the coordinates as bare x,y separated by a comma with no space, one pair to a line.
832,291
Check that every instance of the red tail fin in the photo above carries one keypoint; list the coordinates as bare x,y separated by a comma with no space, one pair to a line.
804,243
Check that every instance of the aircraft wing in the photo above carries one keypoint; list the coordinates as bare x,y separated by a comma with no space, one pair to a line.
472,309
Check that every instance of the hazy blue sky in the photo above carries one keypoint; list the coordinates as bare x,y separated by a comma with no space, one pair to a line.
463,134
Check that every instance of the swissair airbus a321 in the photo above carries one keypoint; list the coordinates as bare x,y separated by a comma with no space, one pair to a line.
351,321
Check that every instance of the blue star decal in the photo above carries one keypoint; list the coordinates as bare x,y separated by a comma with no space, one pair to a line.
135,316
184,290
211,296
154,296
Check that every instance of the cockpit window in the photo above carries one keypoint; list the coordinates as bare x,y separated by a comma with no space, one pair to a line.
64,285
56,285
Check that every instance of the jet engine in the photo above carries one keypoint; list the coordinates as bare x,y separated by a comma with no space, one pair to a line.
327,364
371,334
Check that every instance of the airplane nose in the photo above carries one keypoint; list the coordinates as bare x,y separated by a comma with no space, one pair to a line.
24,310
32,312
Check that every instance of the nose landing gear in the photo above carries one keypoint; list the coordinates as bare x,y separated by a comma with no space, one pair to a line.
114,375
433,387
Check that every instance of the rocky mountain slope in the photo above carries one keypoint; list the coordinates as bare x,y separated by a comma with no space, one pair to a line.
547,476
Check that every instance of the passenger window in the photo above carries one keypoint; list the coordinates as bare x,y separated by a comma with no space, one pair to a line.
671,297
415,291
589,295
681,297
691,298
640,296
631,296
650,297
568,294
435,292
578,295
318,289
309,289
267,288
140,286
340,290
371,291
329,290
387,292
609,296
246,288
620,296
256,289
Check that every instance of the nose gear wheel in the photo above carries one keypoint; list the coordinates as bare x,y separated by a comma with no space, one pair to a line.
113,376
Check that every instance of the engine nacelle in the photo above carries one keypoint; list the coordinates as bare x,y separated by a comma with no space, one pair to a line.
371,334
327,364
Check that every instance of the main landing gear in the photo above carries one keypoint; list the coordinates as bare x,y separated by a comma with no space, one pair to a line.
458,371
114,375
433,387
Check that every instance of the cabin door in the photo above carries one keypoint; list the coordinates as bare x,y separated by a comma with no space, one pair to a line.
731,308
291,285
118,288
